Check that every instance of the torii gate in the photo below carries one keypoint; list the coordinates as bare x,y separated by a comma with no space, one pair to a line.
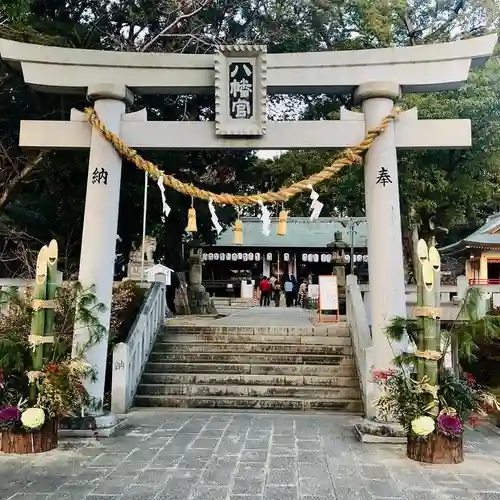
241,76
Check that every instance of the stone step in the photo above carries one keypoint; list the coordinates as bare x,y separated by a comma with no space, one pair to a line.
249,379
189,338
259,359
219,348
250,391
339,330
242,402
346,369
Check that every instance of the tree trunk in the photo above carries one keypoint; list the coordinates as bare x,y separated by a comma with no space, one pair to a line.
30,442
436,449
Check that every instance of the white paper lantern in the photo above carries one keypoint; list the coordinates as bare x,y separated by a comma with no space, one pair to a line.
228,256
240,256
365,258
286,257
210,256
310,257
359,258
257,256
322,257
216,256
222,257
347,258
250,256
269,256
234,256
316,257
245,257
329,258
304,257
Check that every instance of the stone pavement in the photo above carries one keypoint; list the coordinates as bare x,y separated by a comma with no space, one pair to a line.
200,455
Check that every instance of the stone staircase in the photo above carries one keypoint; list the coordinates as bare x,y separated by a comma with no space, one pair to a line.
252,367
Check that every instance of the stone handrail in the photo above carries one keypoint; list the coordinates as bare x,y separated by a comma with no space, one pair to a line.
130,357
359,328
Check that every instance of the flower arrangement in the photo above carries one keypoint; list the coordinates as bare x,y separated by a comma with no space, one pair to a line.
423,409
59,392
43,375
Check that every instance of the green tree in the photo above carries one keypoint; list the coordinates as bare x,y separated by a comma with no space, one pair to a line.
40,182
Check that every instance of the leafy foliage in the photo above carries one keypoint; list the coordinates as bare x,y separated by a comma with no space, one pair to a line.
34,186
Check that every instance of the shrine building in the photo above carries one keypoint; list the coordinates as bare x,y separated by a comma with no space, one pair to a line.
481,251
308,249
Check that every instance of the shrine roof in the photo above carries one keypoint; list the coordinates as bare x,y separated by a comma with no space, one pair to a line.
301,233
488,235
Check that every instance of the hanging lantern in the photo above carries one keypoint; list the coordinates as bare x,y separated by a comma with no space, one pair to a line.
238,232
234,257
316,257
286,257
304,257
228,256
347,258
282,223
240,256
210,256
269,256
222,257
328,258
257,256
216,256
245,257
250,256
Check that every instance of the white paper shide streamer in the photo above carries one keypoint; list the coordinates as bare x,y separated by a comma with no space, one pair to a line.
166,207
215,219
265,217
316,206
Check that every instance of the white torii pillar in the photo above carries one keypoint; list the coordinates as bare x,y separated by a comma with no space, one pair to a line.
100,227
383,212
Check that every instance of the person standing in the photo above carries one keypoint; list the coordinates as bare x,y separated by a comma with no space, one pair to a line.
295,291
265,291
302,294
288,288
277,294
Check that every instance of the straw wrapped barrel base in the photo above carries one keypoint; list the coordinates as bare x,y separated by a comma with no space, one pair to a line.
436,449
45,439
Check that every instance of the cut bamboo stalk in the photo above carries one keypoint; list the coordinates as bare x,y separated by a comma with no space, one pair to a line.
38,314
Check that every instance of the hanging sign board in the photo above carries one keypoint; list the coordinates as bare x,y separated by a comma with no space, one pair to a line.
328,296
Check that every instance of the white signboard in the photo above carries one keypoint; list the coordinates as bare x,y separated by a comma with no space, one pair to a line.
328,293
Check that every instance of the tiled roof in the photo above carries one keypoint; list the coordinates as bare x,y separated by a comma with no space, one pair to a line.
487,235
301,233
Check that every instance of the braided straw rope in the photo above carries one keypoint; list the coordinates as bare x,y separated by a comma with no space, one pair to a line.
348,157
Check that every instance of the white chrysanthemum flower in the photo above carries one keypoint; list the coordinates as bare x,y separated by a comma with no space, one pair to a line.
33,418
423,426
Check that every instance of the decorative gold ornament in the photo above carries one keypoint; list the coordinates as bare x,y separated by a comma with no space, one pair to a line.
238,232
192,227
282,223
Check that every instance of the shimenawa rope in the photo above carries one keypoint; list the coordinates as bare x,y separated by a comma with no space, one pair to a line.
348,157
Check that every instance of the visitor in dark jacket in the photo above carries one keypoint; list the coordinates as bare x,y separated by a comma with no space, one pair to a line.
295,290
